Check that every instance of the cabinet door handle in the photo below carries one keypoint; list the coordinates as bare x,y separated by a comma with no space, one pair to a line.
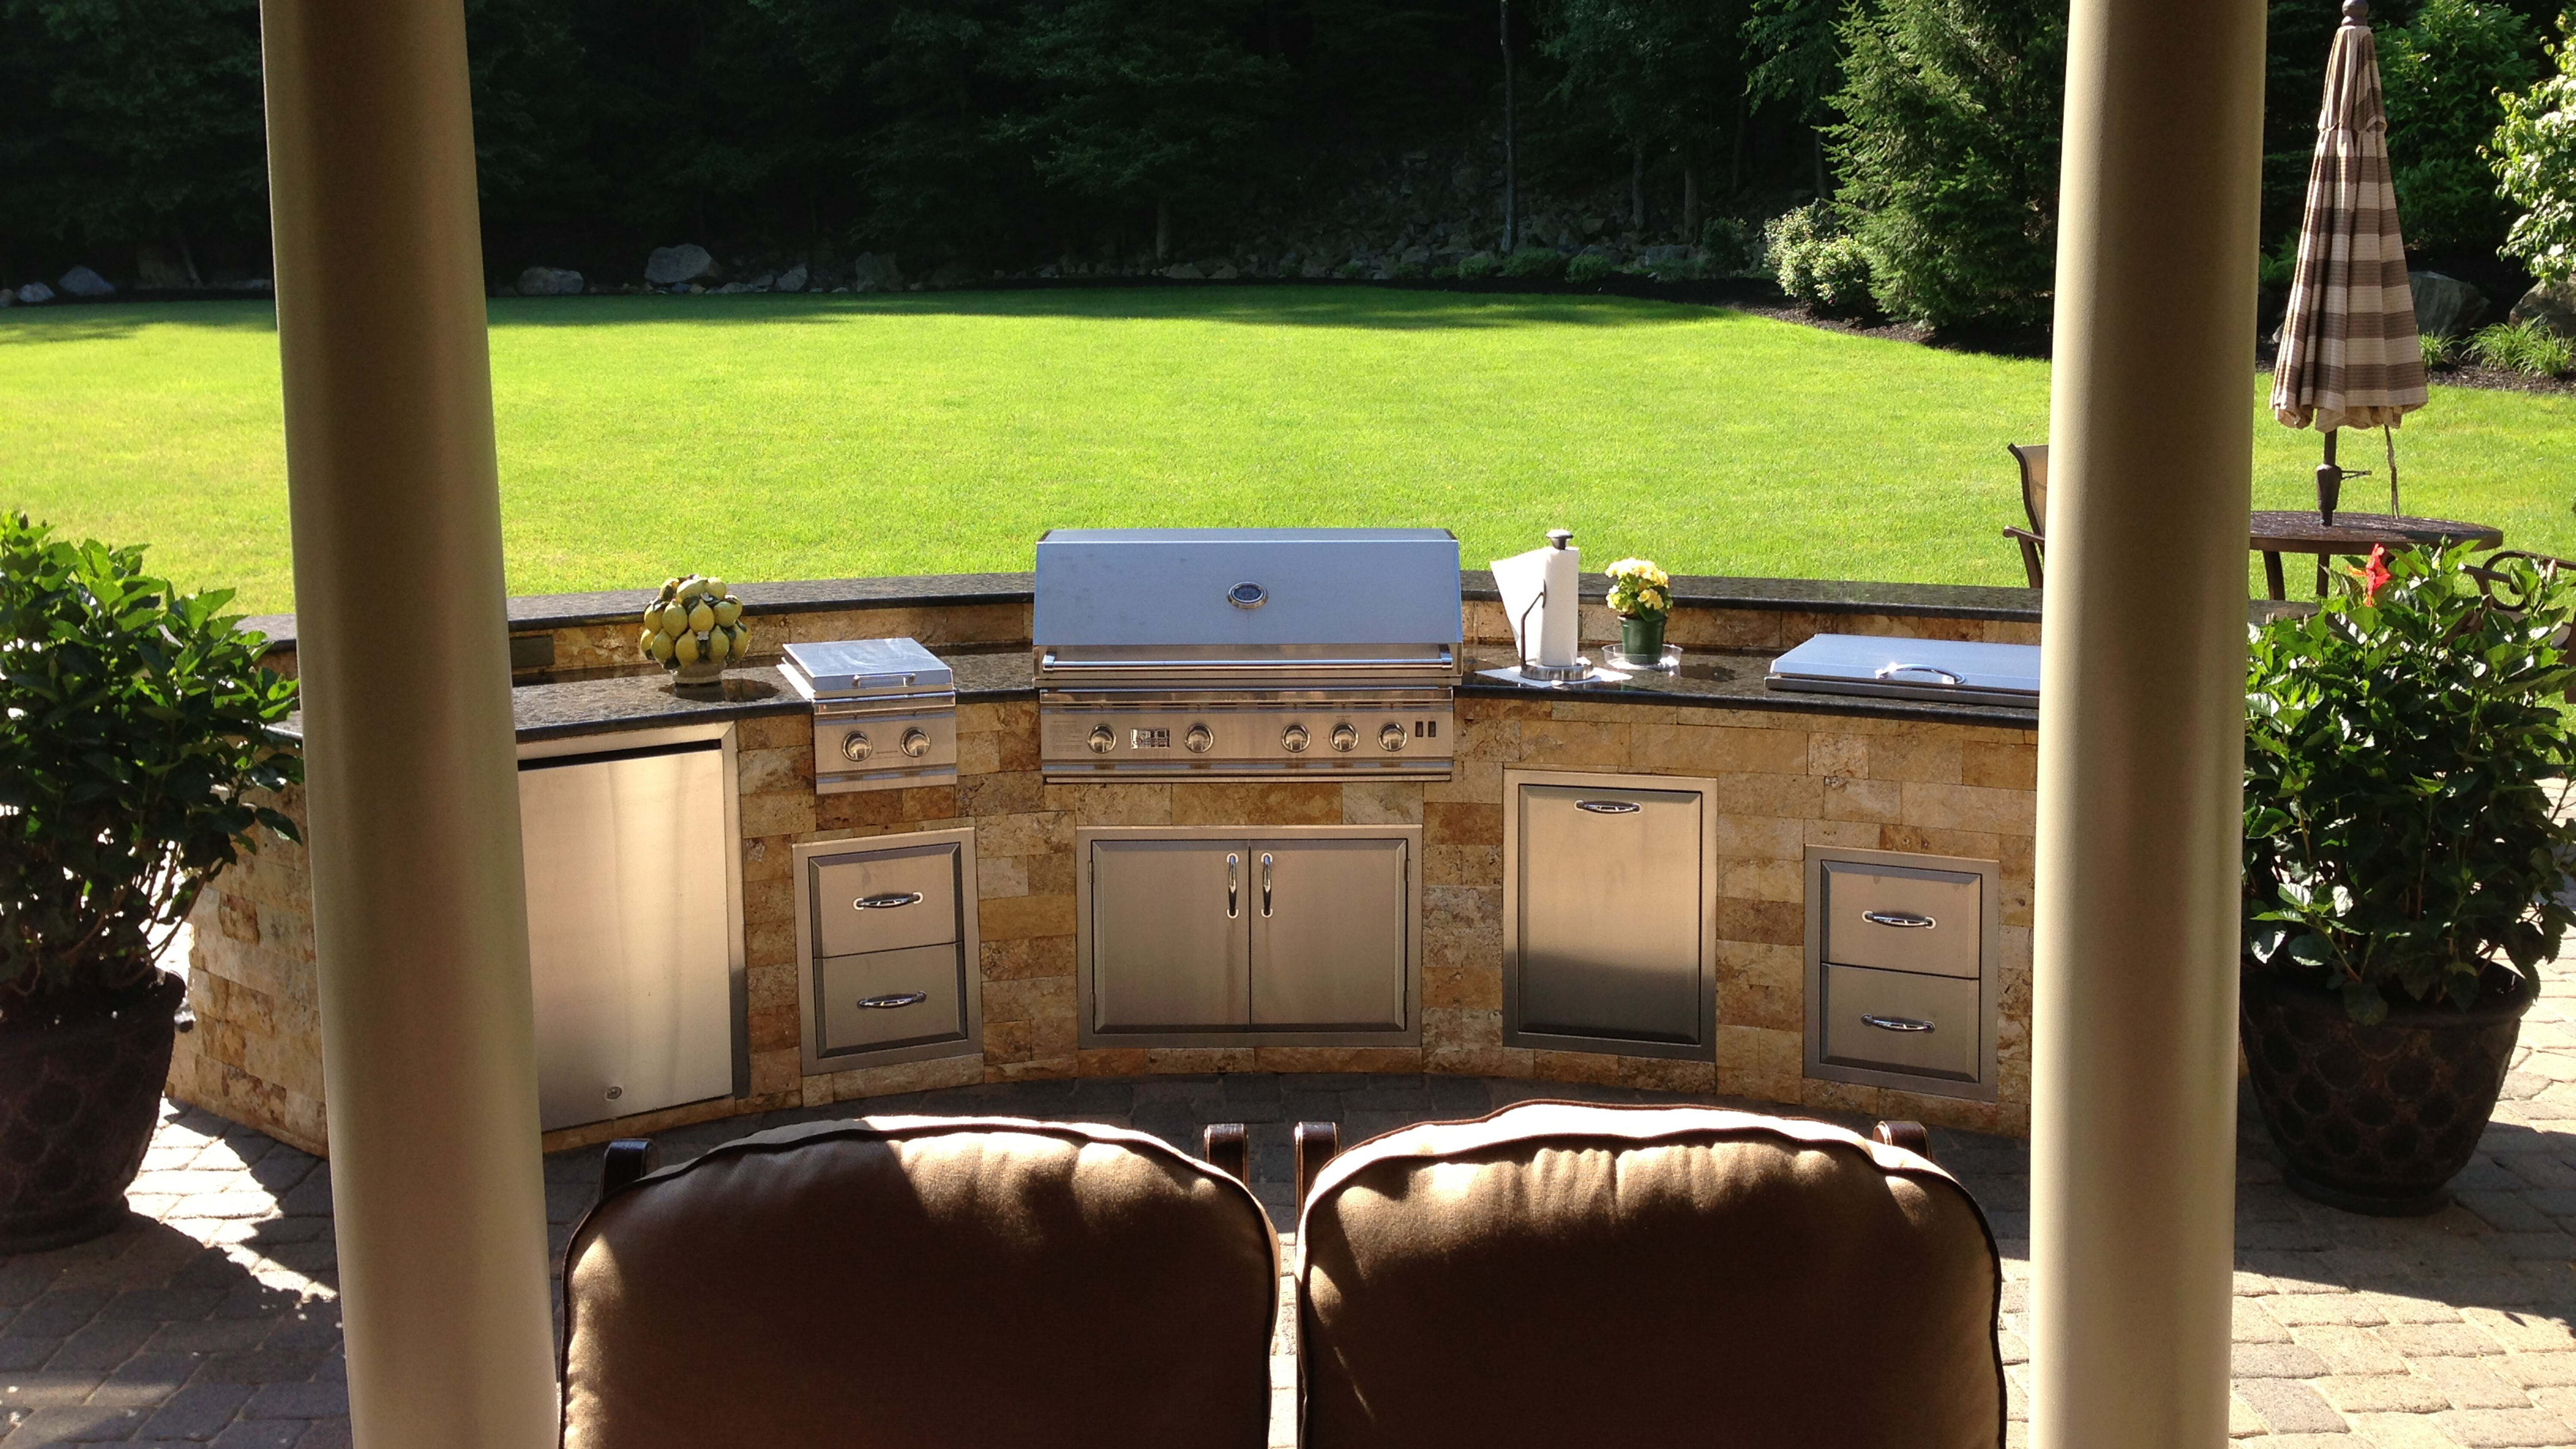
1609,807
887,902
1895,1023
1905,920
1265,885
1233,886
889,1003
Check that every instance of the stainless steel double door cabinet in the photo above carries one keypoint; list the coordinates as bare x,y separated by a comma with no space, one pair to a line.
1292,934
1609,885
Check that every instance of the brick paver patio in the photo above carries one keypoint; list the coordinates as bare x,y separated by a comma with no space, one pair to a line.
213,1317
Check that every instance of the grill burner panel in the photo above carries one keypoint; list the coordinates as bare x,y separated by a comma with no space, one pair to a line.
1349,670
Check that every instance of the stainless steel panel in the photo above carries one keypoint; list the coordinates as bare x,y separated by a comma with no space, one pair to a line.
1169,938
1901,1021
1902,918
891,998
1329,926
893,747
628,864
870,667
1609,910
1165,738
1246,587
885,899
1944,669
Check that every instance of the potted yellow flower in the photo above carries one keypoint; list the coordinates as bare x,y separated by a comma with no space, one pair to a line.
1642,596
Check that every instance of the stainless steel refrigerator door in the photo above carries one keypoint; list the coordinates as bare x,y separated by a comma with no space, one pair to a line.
1328,934
1608,888
627,865
1169,939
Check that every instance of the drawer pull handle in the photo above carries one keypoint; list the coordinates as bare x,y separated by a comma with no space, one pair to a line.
1233,886
1904,920
1609,807
1265,885
1895,1023
889,1003
888,901
1892,671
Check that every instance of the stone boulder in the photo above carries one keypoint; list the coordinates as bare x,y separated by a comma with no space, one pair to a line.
794,278
671,266
875,272
1184,272
2446,306
84,283
2551,304
35,293
549,282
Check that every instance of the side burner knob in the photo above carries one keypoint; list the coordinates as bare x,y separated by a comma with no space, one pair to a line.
855,746
1101,741
916,743
1390,738
1199,739
1294,739
1345,738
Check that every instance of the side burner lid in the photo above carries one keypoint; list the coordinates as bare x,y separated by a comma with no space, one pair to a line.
861,668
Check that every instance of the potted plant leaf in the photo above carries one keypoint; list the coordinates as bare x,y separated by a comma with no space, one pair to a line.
134,751
2406,865
1642,596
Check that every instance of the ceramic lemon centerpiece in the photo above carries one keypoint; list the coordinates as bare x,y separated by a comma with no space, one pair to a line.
692,629
1642,596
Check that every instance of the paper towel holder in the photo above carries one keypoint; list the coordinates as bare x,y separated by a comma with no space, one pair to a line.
1581,668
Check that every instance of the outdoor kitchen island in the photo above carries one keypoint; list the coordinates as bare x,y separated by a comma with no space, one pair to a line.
1778,792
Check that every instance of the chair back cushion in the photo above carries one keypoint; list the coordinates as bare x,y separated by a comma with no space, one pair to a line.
923,1281
2033,458
1559,1274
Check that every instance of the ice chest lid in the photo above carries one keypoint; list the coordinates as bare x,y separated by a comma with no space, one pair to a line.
1911,669
847,668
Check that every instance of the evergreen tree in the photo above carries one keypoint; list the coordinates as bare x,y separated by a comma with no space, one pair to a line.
1948,154
2442,73
1660,67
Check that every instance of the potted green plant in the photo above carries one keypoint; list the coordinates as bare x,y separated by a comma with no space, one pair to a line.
2406,865
134,750
1642,596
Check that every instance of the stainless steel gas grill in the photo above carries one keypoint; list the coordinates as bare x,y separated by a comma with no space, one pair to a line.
1262,654
885,714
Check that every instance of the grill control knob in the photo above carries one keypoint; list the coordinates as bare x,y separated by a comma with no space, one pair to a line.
855,746
1345,738
1391,738
1199,739
916,743
1101,741
1294,739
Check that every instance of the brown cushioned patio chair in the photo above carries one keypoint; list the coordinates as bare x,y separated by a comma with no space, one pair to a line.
2033,458
1559,1274
914,1281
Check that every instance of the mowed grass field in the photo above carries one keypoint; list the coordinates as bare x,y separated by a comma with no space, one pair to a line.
773,437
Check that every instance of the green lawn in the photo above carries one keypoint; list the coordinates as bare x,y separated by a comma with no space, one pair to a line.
802,437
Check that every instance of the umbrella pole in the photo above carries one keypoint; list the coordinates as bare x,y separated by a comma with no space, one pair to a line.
2329,482
2388,435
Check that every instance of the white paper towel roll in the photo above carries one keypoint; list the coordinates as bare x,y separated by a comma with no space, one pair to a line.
1561,615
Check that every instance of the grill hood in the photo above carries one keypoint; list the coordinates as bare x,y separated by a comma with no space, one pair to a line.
1241,593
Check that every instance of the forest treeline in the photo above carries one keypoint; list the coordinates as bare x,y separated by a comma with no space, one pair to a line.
1008,133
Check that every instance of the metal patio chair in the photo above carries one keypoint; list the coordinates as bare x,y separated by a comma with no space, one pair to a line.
2033,458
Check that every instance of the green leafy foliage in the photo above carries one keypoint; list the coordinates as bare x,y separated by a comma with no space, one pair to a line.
1588,269
133,748
1789,245
2400,839
1478,264
1660,68
2526,346
1535,264
2535,158
2443,73
1948,154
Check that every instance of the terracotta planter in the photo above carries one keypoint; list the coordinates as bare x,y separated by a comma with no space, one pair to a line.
2375,1119
77,1106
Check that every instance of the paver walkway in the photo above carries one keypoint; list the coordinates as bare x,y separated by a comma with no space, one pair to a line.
213,1317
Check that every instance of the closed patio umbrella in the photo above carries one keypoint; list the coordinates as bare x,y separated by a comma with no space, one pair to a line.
2349,357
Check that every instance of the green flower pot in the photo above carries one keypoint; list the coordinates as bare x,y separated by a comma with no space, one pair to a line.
1641,636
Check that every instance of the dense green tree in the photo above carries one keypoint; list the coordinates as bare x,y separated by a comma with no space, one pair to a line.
2443,73
1948,154
1795,48
1664,69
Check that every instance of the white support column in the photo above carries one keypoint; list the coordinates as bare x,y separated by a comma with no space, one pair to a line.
419,924
2141,729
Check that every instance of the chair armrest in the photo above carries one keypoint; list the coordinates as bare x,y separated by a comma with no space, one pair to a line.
1317,1142
1223,1147
625,1160
1909,1135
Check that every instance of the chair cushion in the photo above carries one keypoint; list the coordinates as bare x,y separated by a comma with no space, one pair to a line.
923,1281
1560,1274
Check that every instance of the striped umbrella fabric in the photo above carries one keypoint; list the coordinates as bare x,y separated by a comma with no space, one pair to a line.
2349,357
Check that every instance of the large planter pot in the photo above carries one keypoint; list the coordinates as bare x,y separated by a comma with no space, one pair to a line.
2375,1119
78,1102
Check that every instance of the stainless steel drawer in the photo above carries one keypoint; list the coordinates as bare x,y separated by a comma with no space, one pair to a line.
1901,1021
891,998
1900,918
886,900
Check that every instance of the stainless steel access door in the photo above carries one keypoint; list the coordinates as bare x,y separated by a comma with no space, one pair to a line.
1608,913
1166,928
1328,934
632,940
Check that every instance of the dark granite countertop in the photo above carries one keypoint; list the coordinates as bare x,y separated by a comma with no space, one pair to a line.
1732,679
1821,596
